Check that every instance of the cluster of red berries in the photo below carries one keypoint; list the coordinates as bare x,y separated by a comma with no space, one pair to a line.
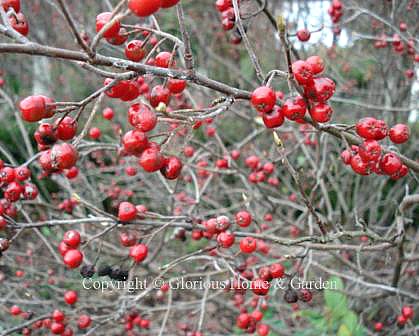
72,257
17,20
368,157
250,323
260,171
317,90
57,324
133,319
14,185
228,18
335,12
407,313
143,8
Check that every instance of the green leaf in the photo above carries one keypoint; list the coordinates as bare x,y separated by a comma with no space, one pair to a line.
344,331
351,321
335,300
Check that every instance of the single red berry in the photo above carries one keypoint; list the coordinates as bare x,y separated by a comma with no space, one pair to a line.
108,113
263,99
223,5
13,191
369,150
305,295
303,35
72,173
45,134
277,270
243,320
15,310
321,90
152,160
159,94
134,142
399,133
294,108
63,156
15,4
176,86
102,19
260,287
243,218
7,175
33,108
58,315
143,8
316,64
57,328
390,163
72,238
401,320
359,166
168,3
321,112
73,258
346,156
303,72
95,133
70,297
138,252
84,321
135,51
127,239
407,312
248,245
126,212
118,39
66,129
263,329
274,118
378,326
63,248
141,117
163,59
225,239
172,168
366,127
19,23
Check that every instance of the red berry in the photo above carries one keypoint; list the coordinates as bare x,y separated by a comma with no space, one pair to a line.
223,5
73,258
277,270
321,112
399,133
95,133
70,297
141,117
33,108
248,245
260,287
159,94
359,166
63,248
263,329
15,310
226,239
370,150
63,156
138,252
67,128
316,64
15,4
134,142
407,312
13,191
303,35
58,316
7,175
322,89
176,86
263,99
274,118
401,320
57,328
72,173
378,326
294,108
45,134
126,212
135,51
390,163
163,59
243,218
172,168
19,23
102,19
108,113
84,321
144,8
302,72
152,160
168,3
72,238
